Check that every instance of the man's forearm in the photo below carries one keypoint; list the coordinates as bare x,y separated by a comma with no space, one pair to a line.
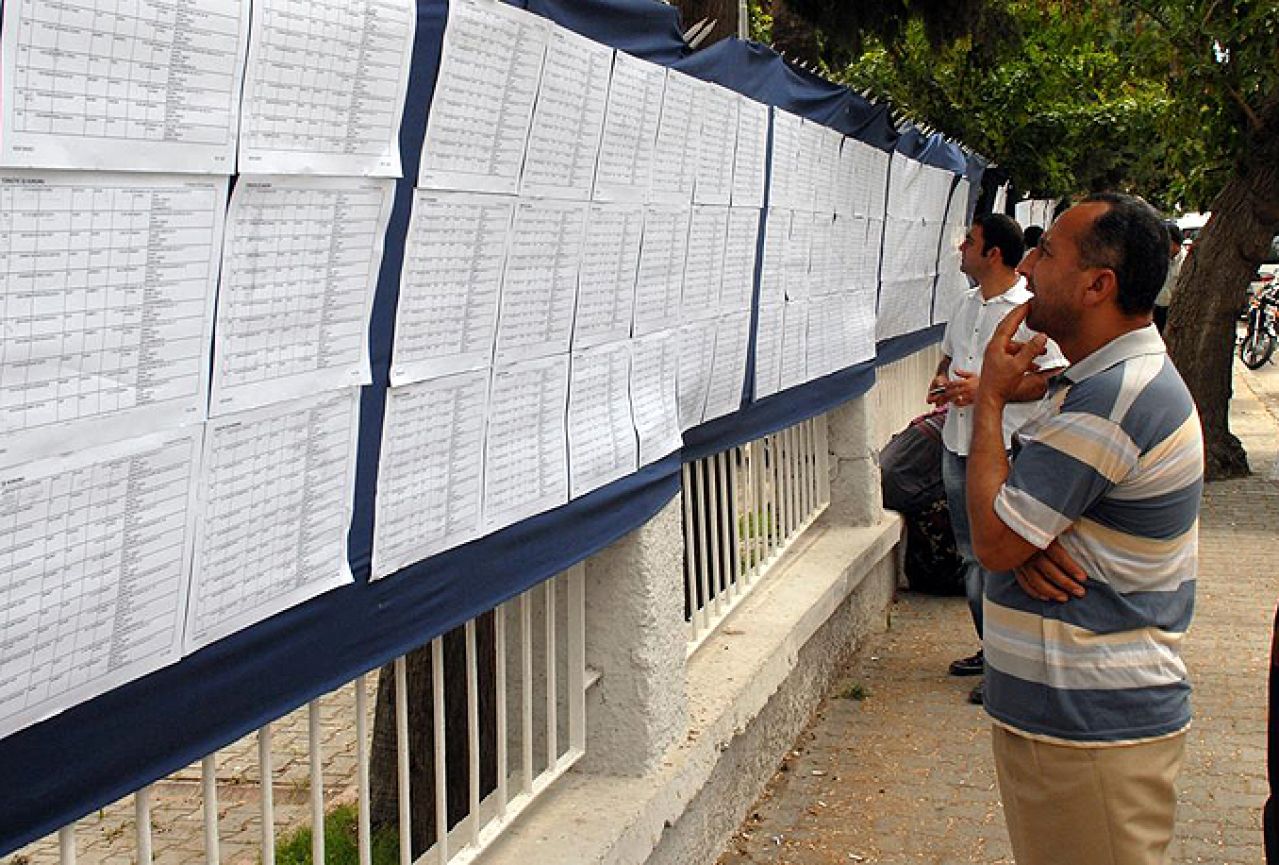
996,546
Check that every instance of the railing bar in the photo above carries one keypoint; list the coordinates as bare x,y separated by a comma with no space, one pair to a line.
806,451
441,756
779,491
728,519
703,569
526,687
783,488
792,482
714,507
695,615
142,825
266,780
499,678
577,657
209,789
66,844
364,833
757,509
402,759
317,780
473,731
552,685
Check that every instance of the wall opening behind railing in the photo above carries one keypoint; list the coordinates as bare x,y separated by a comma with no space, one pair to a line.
743,508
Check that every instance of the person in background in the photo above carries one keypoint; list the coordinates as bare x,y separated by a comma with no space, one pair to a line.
989,255
1092,537
1032,235
1176,255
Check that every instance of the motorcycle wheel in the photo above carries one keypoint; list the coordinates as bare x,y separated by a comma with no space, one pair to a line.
1256,348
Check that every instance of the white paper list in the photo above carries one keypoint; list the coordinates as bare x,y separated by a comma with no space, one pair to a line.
630,129
696,357
430,472
490,67
772,274
101,85
564,138
799,247
95,546
716,143
299,267
794,365
107,285
751,155
601,435
783,188
704,265
276,499
606,284
661,268
738,287
539,288
654,384
768,350
446,317
325,86
728,369
526,446
675,153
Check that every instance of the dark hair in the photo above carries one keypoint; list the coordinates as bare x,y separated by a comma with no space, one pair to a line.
1003,233
1130,239
1174,233
1031,236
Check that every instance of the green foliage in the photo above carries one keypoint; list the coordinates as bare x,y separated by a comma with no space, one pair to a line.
340,842
761,23
1156,96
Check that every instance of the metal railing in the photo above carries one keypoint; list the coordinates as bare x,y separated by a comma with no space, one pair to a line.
503,701
743,508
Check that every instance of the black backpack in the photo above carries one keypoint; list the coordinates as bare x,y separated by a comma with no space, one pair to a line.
910,471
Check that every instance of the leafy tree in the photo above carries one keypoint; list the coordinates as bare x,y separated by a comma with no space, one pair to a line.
1177,100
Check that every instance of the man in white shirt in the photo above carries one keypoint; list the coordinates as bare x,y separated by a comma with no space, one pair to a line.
989,255
1176,257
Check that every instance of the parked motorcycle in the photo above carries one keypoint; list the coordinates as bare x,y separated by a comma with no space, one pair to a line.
1258,342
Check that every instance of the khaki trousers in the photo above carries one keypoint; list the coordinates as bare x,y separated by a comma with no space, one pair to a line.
1088,806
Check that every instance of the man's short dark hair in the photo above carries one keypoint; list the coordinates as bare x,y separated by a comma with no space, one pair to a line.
1130,239
1031,235
1175,234
1004,233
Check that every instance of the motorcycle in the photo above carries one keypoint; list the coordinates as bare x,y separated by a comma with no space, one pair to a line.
1258,342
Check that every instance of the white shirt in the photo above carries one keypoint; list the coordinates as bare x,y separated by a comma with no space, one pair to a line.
1174,270
972,324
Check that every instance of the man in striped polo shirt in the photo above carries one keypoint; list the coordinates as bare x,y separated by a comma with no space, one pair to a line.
1097,521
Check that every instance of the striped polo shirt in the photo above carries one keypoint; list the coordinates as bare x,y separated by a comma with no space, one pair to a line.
1112,467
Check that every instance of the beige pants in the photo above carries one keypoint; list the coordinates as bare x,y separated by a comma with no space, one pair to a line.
1088,806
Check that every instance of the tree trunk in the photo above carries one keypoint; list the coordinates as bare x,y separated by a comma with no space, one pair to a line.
383,774
722,12
1212,288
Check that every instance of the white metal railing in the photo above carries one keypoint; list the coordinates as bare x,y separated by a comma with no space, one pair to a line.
743,507
535,681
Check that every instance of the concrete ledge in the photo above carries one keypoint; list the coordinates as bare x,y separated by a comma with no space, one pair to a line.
756,666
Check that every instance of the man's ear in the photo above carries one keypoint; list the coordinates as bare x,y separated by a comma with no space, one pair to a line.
1104,288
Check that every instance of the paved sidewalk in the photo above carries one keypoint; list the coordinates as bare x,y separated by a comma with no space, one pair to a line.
904,776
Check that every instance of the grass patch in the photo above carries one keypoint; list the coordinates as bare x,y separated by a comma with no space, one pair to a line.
341,826
853,691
